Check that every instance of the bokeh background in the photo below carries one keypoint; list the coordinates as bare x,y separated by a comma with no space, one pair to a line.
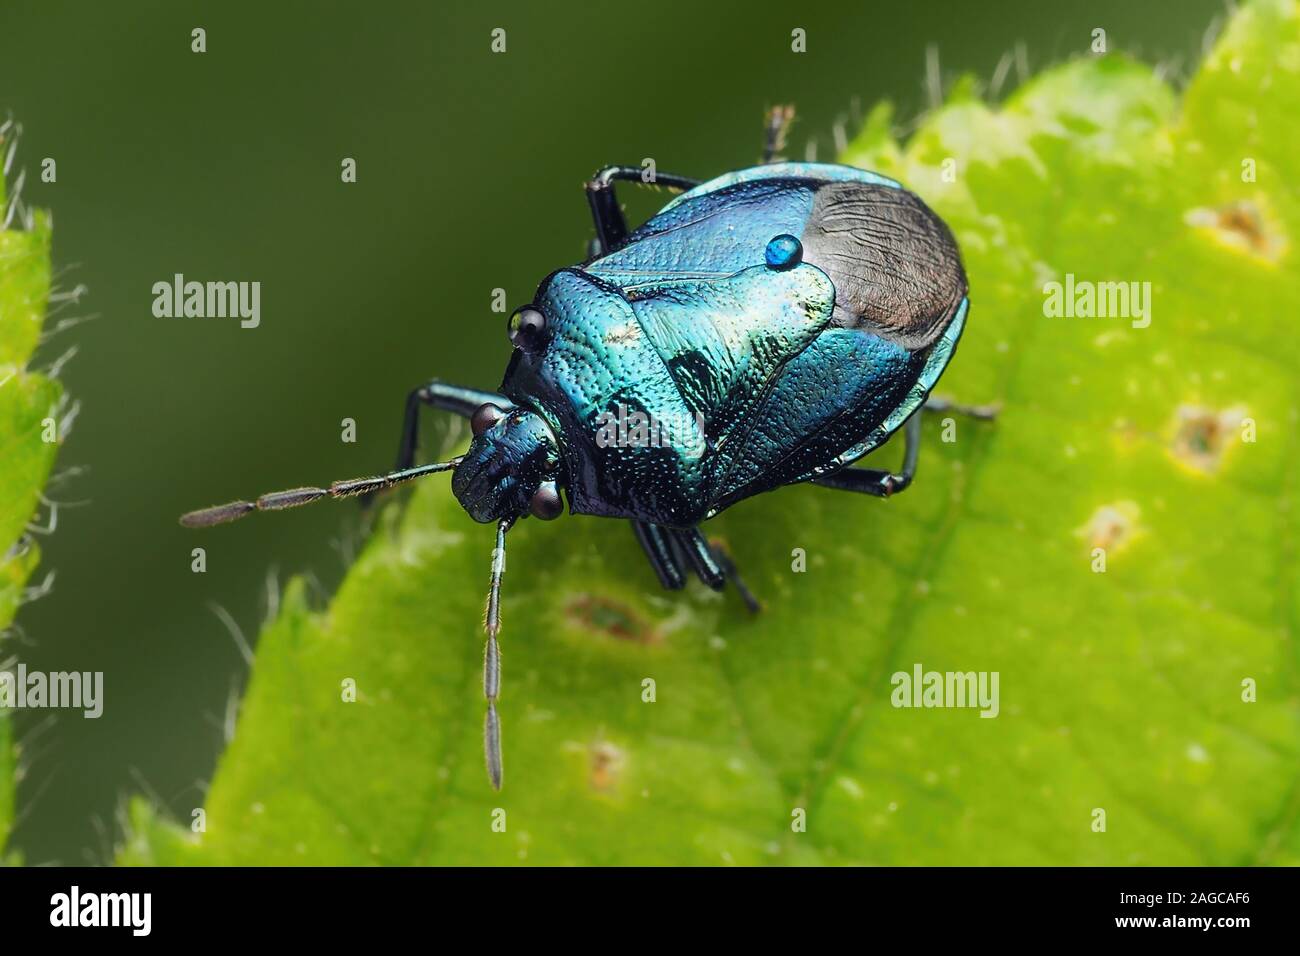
226,166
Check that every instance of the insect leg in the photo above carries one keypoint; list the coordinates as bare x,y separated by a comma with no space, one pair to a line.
713,565
448,398
658,548
701,557
775,125
611,227
872,481
729,568
984,413
443,396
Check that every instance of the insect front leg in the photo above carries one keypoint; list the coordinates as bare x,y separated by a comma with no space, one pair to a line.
611,227
441,395
448,398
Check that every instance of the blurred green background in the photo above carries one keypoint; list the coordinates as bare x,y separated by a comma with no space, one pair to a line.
226,166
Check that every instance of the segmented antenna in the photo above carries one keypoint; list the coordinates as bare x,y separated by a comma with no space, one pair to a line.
294,497
492,658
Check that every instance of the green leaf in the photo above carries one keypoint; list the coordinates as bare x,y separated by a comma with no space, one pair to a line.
26,399
1120,691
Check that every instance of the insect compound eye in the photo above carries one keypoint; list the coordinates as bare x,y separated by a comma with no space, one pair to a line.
783,252
484,417
525,327
546,503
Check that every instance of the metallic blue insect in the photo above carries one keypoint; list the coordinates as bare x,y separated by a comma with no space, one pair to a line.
767,327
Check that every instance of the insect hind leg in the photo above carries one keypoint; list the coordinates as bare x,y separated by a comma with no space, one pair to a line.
873,481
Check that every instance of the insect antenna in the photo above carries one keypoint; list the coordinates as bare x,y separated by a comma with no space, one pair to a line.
492,658
293,497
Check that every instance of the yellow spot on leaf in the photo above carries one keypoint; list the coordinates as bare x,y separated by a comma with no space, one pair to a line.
606,765
1112,527
1242,226
1201,435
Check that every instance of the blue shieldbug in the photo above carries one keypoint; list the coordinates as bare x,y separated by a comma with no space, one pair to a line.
792,315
